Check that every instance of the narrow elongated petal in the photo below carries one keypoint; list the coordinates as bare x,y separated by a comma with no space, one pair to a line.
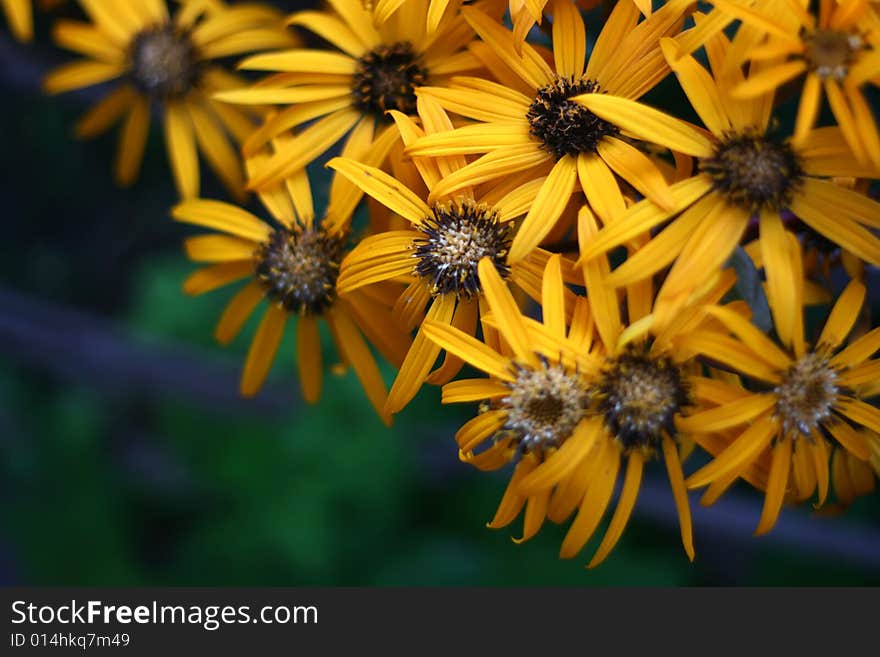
745,448
647,123
390,192
546,209
776,486
262,351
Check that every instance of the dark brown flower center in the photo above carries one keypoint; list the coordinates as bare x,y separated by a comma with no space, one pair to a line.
806,395
830,53
386,79
639,395
454,240
755,171
544,406
564,127
299,269
164,62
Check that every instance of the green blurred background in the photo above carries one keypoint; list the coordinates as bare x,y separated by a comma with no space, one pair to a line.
126,457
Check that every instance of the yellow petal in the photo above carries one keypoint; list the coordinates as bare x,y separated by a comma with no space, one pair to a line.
308,353
563,461
594,503
354,349
569,39
603,298
844,315
600,187
77,75
420,358
512,502
852,441
637,169
529,66
262,350
237,311
471,390
222,216
385,189
744,449
776,486
476,430
647,123
762,346
643,216
180,143
132,140
210,278
731,414
305,147
218,248
503,305
546,209
295,60
679,492
631,483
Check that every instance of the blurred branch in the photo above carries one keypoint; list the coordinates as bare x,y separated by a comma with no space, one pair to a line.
75,346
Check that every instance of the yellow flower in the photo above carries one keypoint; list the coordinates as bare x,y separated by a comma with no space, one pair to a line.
166,62
19,15
529,119
371,71
578,405
837,53
804,405
745,170
438,251
294,265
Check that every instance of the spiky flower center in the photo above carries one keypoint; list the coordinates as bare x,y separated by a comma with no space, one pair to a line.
564,127
386,79
164,62
455,238
299,268
830,53
544,406
807,394
639,395
755,171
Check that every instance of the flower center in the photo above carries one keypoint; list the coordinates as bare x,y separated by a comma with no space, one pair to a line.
755,172
455,238
807,394
639,394
299,269
386,79
164,63
564,127
544,406
830,53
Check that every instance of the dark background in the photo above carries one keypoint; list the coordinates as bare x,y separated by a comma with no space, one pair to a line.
127,458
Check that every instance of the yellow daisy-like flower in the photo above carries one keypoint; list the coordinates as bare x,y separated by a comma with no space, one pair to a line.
577,409
167,62
745,170
294,265
812,402
835,50
438,252
20,17
372,71
531,120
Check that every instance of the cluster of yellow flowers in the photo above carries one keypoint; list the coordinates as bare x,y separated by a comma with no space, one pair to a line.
528,215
